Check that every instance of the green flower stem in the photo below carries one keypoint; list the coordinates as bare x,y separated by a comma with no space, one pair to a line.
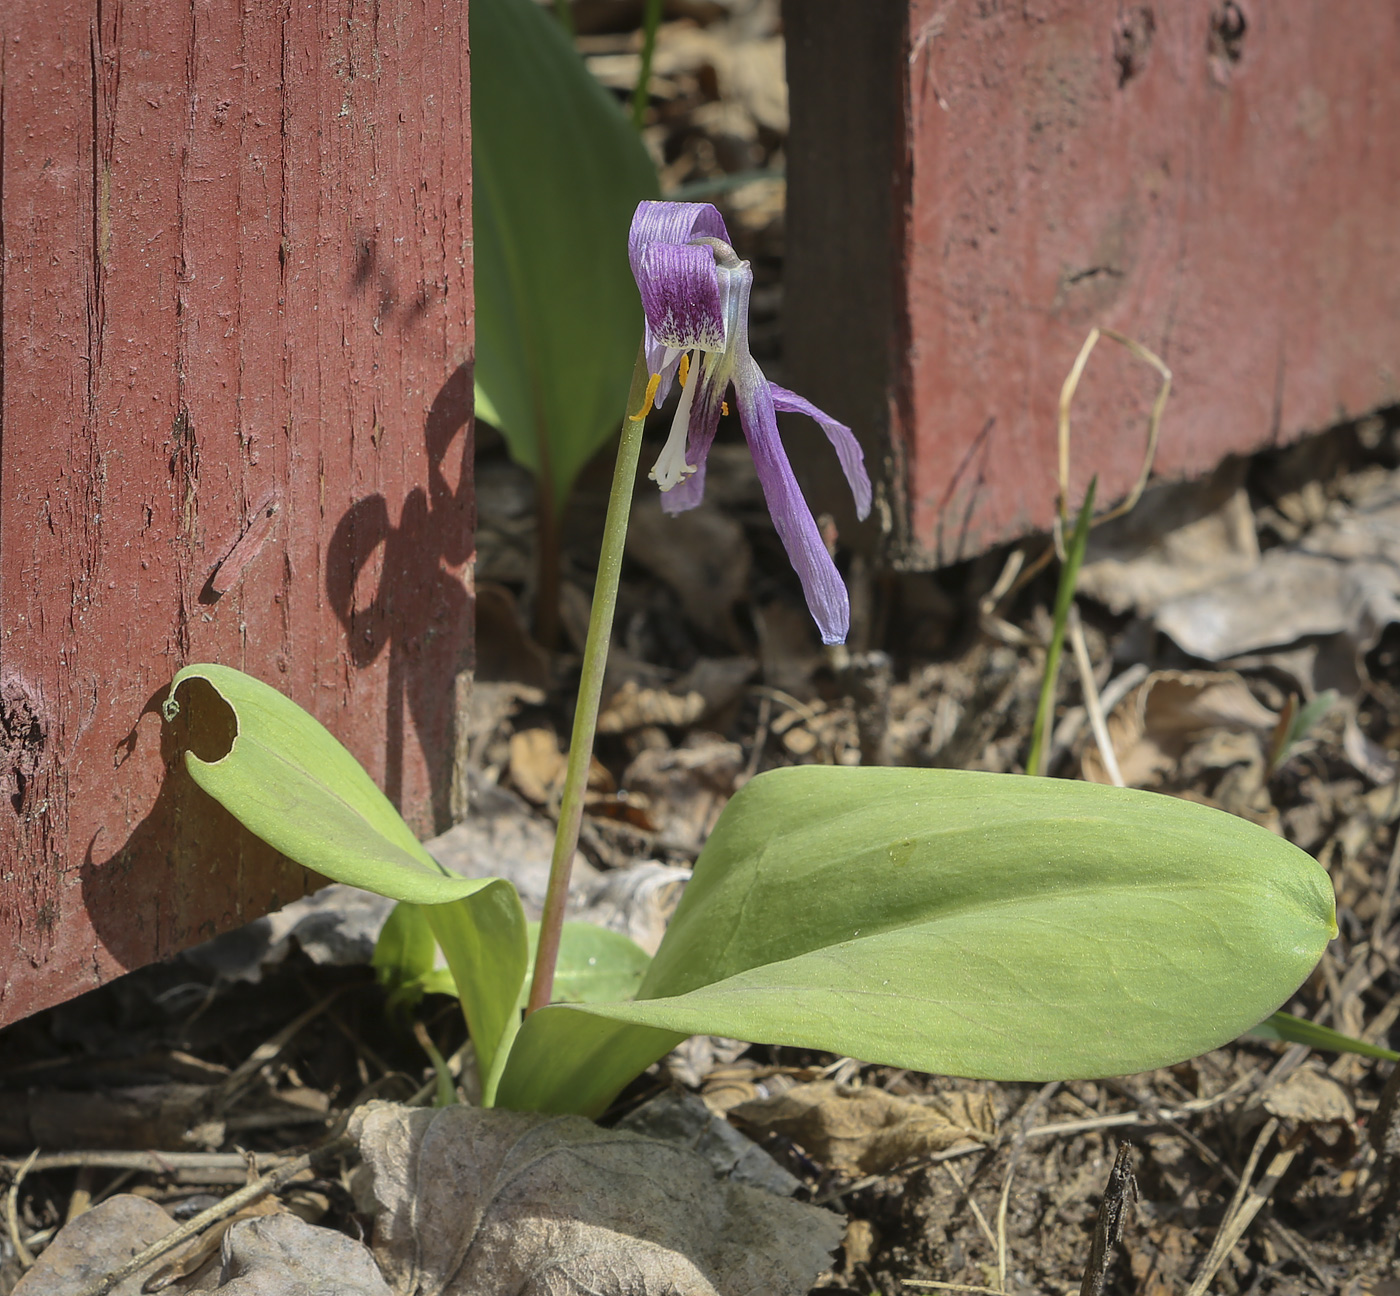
590,686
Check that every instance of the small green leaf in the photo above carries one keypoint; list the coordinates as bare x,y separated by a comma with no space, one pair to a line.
594,964
557,172
1064,600
1297,1030
405,951
969,924
285,778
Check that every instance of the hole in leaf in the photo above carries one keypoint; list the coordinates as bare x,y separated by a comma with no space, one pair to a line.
205,723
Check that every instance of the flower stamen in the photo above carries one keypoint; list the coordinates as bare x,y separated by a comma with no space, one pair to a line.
653,383
671,467
684,371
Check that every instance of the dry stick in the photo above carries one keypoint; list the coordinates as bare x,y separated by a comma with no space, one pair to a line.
972,1205
1091,697
1018,1141
22,1252
590,685
1244,1206
242,1076
1118,1198
1017,573
234,1202
957,1287
160,1163
1392,878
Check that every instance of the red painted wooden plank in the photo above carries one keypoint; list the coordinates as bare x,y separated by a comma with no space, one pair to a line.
237,347
973,187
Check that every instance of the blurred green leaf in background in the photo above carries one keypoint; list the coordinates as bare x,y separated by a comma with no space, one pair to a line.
557,172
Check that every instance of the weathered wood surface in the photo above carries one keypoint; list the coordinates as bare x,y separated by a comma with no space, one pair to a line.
972,187
236,427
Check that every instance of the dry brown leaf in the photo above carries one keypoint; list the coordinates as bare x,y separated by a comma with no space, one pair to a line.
281,1255
1310,1096
491,1201
536,764
687,786
864,1130
1154,725
635,707
93,1245
537,767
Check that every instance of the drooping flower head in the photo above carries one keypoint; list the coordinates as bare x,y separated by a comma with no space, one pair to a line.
695,293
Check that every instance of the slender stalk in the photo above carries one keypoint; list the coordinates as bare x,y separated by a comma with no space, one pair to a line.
650,23
1064,598
590,686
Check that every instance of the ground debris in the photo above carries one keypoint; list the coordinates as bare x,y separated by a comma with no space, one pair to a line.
494,1201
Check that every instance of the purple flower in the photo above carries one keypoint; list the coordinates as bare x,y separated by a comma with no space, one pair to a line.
695,292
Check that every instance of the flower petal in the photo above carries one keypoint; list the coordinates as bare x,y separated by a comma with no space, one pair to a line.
674,223
671,222
842,440
821,582
680,291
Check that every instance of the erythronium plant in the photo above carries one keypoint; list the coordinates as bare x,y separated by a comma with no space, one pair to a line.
975,924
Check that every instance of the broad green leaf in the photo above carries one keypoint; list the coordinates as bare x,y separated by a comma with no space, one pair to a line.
969,924
557,172
1298,1030
285,778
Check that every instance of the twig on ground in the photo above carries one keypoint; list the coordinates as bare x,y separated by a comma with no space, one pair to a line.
1018,1141
1090,690
1245,1204
946,1286
22,1252
242,1075
957,1287
972,1205
1118,1198
1384,1135
259,1188
159,1163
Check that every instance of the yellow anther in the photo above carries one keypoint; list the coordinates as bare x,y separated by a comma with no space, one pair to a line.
652,385
685,369
724,407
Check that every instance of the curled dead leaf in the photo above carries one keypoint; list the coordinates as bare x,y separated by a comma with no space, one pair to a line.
491,1201
864,1130
1170,711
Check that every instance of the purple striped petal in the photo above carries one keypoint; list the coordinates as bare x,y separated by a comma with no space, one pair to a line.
842,440
667,223
680,291
671,222
821,582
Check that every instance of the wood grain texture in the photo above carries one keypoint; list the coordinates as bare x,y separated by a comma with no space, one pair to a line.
975,187
237,349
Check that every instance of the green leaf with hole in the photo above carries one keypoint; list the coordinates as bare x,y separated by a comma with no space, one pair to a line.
557,171
283,775
963,923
